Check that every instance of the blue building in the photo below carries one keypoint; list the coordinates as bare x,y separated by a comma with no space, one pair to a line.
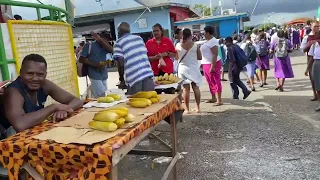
140,18
225,25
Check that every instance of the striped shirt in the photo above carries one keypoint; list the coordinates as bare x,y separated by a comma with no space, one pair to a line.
136,63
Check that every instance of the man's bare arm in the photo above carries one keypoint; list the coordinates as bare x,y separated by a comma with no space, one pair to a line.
62,96
16,115
105,45
86,61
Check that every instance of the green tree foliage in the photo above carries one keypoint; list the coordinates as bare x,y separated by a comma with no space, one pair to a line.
204,10
267,25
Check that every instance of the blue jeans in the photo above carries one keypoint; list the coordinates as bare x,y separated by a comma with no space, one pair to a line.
98,88
235,82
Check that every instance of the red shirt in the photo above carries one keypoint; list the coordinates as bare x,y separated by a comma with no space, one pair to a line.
154,48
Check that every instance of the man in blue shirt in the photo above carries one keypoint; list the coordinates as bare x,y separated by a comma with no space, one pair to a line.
94,56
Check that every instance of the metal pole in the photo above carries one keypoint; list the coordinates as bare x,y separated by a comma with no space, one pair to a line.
211,13
255,6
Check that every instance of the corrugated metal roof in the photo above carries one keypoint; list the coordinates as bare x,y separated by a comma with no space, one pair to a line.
211,18
117,11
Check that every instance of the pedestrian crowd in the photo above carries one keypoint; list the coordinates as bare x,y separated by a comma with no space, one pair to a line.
138,62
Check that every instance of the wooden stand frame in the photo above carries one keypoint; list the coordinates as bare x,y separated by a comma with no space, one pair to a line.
128,148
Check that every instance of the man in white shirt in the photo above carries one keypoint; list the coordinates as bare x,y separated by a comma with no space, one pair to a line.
315,53
274,38
306,43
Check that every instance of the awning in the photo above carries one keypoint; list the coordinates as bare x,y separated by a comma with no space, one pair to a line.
150,3
88,29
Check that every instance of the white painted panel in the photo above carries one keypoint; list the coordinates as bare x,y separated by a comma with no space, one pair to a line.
6,40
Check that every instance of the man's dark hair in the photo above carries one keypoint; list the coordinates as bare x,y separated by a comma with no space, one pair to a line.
229,40
235,37
17,17
35,58
209,29
281,34
309,22
262,36
105,35
177,31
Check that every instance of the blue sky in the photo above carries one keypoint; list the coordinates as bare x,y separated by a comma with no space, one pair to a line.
283,10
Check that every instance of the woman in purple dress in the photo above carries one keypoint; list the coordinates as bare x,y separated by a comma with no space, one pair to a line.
296,38
282,62
263,60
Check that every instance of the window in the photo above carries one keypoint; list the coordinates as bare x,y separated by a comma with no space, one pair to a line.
195,26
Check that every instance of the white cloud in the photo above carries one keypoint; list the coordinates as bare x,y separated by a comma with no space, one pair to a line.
90,6
280,18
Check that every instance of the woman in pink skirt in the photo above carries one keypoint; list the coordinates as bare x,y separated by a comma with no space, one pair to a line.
211,65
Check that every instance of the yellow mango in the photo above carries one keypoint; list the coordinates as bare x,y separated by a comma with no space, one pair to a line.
154,100
106,116
156,78
120,122
103,126
129,118
138,104
116,97
159,78
105,99
158,97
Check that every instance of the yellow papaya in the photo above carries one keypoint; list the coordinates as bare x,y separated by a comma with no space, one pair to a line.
129,118
106,116
105,99
118,108
116,97
154,100
138,104
103,126
141,99
120,112
165,76
120,122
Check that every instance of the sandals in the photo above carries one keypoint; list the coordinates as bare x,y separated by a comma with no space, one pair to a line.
314,99
210,101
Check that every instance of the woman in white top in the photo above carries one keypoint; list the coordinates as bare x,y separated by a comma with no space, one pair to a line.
212,65
315,52
188,68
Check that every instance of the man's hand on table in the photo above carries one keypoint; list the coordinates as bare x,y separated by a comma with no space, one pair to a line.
62,112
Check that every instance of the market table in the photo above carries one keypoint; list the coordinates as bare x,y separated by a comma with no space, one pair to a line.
74,161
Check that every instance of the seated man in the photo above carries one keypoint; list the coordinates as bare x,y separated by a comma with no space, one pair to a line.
25,97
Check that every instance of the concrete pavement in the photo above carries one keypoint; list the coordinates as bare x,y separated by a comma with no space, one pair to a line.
271,135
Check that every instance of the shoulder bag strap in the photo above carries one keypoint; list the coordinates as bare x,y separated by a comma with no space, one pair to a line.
184,56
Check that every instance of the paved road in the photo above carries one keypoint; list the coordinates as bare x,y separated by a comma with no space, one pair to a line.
272,135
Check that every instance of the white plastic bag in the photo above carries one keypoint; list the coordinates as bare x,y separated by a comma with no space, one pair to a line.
161,62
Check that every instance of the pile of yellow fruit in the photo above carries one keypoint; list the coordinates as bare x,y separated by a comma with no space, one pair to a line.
111,119
110,98
143,99
166,79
